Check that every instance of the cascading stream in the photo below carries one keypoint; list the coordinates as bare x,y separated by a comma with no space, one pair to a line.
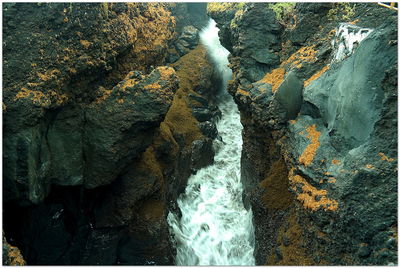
215,228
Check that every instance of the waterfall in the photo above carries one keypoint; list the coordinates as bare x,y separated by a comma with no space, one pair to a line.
215,228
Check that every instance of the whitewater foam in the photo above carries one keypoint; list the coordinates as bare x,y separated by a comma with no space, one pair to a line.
215,228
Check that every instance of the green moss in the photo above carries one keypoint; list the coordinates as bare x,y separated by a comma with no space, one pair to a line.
222,7
104,8
341,11
276,187
282,9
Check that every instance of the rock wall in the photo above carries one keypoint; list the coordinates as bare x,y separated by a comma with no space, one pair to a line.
100,135
318,106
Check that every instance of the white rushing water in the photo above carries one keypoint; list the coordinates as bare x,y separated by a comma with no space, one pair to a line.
347,37
215,228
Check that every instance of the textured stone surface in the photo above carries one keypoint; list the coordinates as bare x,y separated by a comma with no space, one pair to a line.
334,125
95,152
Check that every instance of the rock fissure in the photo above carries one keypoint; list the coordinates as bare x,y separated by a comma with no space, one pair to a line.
110,108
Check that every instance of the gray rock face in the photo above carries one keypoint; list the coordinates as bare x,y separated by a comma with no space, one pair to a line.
88,145
289,95
349,96
187,41
113,126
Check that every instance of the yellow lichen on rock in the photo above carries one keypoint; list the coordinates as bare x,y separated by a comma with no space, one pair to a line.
369,166
316,75
305,54
166,72
275,78
242,92
86,44
152,87
308,154
331,180
311,197
13,256
48,75
385,158
106,94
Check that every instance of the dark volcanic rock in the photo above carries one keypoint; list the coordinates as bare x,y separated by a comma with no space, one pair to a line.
89,146
188,40
89,172
339,148
122,125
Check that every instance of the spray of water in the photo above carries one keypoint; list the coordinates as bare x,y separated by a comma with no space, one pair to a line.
215,228
347,37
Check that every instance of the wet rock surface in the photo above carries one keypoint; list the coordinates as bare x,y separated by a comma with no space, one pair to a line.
315,163
95,152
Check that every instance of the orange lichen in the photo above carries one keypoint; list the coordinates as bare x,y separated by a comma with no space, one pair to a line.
72,70
242,92
331,180
316,75
86,44
57,97
128,83
32,84
41,98
335,162
50,74
369,166
292,122
13,256
106,94
354,22
275,78
152,87
332,32
308,154
311,197
36,96
166,72
303,55
385,158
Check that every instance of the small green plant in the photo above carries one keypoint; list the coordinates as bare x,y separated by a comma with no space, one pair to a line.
282,10
341,11
224,6
104,7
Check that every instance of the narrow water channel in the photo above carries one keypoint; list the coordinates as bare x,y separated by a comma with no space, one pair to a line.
215,228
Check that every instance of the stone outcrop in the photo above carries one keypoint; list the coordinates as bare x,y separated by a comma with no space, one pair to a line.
11,255
319,152
100,136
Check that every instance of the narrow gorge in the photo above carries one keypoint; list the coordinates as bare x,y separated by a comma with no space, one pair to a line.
200,133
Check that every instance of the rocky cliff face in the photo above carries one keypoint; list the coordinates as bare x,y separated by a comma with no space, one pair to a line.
316,85
100,135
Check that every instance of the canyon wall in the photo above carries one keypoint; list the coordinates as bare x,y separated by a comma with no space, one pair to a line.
107,110
316,85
